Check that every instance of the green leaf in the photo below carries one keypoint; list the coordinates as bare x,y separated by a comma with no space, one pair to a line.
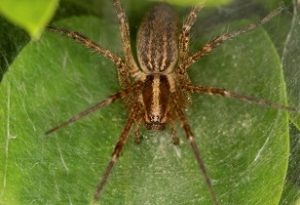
291,60
245,147
291,193
12,40
31,15
194,2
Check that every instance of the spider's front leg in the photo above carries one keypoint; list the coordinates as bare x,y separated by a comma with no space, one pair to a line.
138,137
191,139
132,118
175,138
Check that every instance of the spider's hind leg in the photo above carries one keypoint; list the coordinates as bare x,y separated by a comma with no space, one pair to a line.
125,37
184,37
219,40
123,73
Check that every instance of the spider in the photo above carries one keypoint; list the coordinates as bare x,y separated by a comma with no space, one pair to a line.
155,88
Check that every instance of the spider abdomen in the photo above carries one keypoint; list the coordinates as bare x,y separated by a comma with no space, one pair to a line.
157,40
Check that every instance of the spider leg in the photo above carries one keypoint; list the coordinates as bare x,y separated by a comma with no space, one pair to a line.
109,100
190,137
125,36
184,37
117,151
137,136
84,113
175,139
137,131
219,40
81,39
229,94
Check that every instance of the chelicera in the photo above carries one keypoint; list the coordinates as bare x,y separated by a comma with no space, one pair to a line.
155,88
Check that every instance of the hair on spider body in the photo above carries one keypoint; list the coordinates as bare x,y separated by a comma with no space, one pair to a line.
155,92
155,99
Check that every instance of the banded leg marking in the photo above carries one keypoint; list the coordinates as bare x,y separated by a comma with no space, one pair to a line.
226,93
125,36
96,107
219,40
195,148
117,151
81,39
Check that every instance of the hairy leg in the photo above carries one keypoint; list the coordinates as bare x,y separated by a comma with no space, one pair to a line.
191,139
219,40
137,128
117,150
229,94
175,139
125,36
81,39
109,100
184,37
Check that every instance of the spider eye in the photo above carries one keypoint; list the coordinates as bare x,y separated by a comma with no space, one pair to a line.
155,118
154,122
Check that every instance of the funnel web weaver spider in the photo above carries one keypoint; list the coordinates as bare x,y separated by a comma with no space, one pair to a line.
155,88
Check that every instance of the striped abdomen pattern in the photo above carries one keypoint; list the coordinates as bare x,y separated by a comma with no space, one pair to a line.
157,40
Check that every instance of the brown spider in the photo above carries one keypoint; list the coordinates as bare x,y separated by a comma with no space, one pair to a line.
159,79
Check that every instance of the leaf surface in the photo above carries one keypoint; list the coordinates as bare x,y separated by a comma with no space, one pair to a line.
31,15
243,145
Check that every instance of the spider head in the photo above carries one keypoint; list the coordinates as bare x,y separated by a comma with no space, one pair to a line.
154,122
155,97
